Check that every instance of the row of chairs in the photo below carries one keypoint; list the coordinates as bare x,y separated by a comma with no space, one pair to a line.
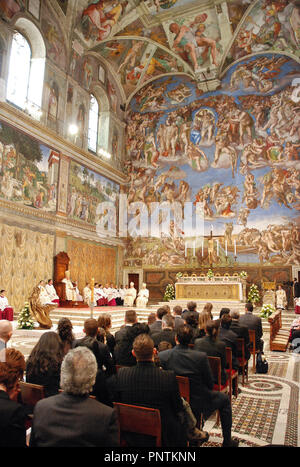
146,420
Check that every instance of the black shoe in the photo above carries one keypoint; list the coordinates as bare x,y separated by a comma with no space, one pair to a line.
232,444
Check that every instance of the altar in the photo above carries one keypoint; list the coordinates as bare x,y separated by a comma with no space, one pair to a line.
226,289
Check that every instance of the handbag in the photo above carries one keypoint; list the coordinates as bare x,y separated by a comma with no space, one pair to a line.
262,365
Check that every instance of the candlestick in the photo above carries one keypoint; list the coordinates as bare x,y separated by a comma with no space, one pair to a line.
217,247
225,247
202,247
234,248
194,248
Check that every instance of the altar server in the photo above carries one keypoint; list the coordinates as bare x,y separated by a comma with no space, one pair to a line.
6,311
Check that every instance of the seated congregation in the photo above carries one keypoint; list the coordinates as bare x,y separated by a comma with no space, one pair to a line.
94,378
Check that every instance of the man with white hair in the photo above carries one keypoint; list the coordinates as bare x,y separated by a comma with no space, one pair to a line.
72,418
6,331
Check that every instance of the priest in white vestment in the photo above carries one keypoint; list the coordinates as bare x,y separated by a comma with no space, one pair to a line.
52,292
130,295
281,301
70,289
78,296
6,311
143,296
44,298
87,295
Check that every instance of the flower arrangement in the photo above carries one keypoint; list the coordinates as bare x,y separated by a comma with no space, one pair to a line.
253,295
267,310
169,293
25,320
210,274
243,274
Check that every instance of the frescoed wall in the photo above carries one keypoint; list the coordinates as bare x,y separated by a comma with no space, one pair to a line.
86,190
29,170
235,149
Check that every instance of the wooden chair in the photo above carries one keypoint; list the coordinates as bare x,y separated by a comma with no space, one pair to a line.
121,366
30,393
253,349
279,338
232,374
241,359
215,365
184,387
141,420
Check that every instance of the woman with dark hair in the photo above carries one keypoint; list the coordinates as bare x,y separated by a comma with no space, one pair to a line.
192,320
213,346
12,414
44,362
123,349
64,330
104,322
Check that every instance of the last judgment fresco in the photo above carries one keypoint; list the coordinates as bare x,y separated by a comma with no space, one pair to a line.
235,149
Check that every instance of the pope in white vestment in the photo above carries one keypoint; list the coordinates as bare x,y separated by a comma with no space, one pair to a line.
281,300
143,297
70,289
130,295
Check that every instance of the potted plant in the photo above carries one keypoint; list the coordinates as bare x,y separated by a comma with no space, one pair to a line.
253,295
25,320
169,293
210,274
267,310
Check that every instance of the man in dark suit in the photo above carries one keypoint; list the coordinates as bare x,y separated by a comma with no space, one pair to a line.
149,386
12,414
191,309
167,334
240,331
130,320
229,338
103,357
253,322
72,418
157,325
193,364
177,312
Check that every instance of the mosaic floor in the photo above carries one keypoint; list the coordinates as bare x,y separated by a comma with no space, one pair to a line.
265,412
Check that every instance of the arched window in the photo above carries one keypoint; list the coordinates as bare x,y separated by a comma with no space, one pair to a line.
19,71
26,68
93,124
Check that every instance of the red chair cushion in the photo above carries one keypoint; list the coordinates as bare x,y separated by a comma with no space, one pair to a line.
216,387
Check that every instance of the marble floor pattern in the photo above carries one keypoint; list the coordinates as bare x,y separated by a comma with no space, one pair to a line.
265,412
